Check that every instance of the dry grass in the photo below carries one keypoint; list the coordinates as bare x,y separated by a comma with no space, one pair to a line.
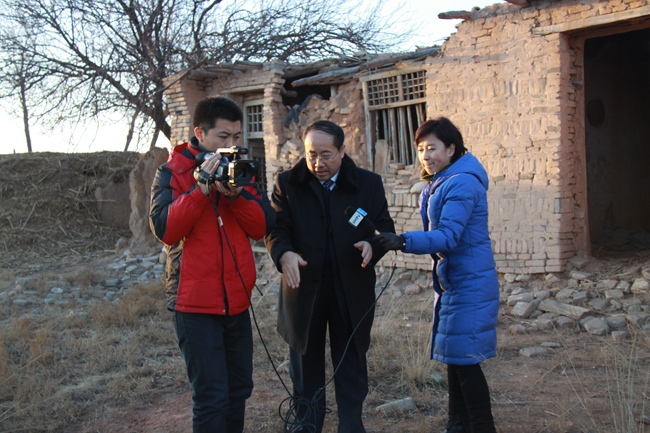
621,398
399,361
62,367
83,276
58,367
7,280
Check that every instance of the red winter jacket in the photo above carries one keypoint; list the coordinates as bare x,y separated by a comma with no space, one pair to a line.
201,272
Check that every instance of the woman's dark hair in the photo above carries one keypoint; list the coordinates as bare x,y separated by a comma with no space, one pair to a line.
328,128
209,109
446,132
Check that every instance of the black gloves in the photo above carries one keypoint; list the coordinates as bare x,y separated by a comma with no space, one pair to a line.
392,241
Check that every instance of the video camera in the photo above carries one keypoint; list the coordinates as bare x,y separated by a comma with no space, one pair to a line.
231,170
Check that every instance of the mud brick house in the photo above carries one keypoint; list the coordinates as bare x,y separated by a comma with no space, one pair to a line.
553,97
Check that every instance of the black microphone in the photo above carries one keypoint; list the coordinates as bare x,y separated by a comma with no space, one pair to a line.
358,219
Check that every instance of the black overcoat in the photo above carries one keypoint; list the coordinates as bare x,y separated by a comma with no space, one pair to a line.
301,227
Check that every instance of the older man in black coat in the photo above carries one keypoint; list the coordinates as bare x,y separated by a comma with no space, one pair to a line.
328,272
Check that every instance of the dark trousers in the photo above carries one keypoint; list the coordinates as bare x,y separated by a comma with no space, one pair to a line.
469,398
308,371
218,352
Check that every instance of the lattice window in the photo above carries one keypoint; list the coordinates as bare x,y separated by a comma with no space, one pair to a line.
254,121
396,88
413,85
383,91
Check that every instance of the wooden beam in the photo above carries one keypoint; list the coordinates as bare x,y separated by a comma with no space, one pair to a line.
332,77
398,104
247,89
390,73
212,73
366,115
246,63
520,3
455,15
408,56
594,21
325,76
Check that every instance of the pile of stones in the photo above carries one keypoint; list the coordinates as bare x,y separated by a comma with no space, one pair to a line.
597,303
120,276
131,269
589,302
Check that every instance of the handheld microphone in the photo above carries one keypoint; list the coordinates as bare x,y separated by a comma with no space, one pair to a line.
358,219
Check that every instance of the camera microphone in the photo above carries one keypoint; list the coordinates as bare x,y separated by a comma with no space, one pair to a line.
358,219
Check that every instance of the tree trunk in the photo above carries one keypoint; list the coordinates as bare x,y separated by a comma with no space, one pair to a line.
158,116
129,135
162,125
23,102
154,138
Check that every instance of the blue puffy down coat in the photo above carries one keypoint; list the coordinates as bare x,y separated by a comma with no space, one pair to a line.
454,210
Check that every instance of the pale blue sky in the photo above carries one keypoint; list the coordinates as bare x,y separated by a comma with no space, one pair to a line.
94,138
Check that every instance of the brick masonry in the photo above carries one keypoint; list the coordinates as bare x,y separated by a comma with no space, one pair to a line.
510,79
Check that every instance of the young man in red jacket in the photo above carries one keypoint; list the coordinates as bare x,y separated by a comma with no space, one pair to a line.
210,266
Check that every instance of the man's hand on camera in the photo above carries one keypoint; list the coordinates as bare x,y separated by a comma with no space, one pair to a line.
291,264
230,191
392,241
209,166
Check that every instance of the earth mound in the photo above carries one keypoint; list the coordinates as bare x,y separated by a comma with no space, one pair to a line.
48,210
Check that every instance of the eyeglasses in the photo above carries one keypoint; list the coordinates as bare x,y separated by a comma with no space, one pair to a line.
322,158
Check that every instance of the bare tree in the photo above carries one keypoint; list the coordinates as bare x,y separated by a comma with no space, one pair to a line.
100,56
19,75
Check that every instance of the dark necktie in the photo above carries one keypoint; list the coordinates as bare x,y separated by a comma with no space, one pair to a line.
328,184
327,192
328,267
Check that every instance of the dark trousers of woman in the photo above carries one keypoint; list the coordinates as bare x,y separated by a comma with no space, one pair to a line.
469,400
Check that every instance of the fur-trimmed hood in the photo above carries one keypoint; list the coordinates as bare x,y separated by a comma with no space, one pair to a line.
347,180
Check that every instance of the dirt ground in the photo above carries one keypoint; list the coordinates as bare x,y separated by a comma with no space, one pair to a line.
568,391
585,383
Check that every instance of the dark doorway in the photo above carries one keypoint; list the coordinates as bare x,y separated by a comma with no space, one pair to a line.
617,129
254,134
256,149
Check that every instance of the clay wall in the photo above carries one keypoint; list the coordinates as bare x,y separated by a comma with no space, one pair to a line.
511,80
513,94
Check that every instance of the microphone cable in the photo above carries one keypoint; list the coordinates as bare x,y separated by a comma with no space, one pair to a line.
295,402
313,404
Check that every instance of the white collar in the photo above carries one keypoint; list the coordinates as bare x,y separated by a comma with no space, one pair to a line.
333,178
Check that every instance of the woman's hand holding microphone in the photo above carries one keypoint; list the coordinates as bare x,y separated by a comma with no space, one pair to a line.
391,241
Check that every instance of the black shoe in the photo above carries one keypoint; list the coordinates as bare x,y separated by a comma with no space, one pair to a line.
454,426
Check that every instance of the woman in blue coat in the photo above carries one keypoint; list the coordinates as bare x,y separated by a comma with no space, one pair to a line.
454,210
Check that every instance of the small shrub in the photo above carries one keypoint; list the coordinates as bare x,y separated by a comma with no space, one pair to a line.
144,300
85,277
7,280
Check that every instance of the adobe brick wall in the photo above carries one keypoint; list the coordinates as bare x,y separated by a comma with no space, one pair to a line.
183,95
513,95
345,109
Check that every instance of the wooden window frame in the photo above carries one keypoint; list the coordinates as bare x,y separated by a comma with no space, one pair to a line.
398,117
256,134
